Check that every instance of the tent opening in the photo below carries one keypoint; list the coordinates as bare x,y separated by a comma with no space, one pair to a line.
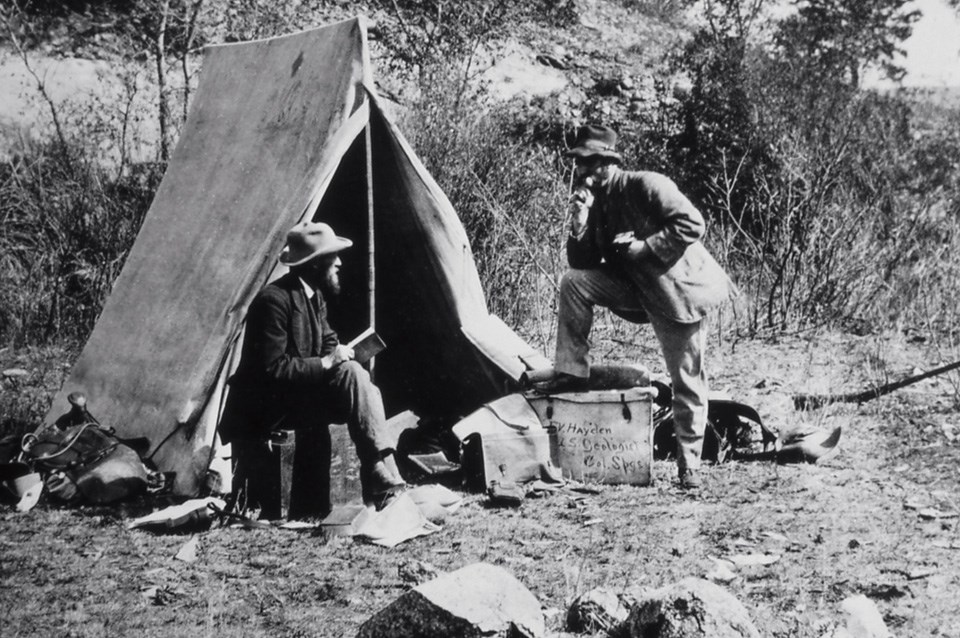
344,207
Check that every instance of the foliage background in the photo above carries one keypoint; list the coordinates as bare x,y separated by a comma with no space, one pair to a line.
831,203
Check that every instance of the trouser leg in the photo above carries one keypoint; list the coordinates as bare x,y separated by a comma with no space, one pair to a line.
580,291
354,399
683,347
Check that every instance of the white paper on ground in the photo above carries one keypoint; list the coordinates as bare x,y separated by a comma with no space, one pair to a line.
399,521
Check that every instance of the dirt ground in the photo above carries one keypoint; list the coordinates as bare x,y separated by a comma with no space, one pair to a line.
879,518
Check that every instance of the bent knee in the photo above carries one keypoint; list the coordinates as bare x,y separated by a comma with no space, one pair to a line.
572,280
354,370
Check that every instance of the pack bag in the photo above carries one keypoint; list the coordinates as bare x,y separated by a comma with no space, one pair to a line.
82,461
730,434
504,442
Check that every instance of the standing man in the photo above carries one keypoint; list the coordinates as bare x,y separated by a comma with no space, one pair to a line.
634,247
294,373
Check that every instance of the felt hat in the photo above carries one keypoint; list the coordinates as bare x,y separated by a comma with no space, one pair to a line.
595,140
809,446
307,240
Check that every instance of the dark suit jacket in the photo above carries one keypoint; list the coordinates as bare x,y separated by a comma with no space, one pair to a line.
280,368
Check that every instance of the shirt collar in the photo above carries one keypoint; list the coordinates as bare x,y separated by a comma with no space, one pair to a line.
307,289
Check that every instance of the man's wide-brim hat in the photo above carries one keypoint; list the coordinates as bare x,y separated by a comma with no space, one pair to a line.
594,140
307,240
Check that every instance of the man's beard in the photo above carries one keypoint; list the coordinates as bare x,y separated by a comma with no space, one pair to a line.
331,282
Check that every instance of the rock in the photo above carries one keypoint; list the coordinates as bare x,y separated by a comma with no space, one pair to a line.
597,610
693,608
416,571
552,61
682,87
751,560
608,86
518,74
723,572
188,551
474,601
862,619
9,373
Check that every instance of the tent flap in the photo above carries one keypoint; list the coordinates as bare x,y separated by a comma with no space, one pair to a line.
503,347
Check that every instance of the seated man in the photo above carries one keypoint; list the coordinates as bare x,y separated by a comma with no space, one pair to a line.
295,374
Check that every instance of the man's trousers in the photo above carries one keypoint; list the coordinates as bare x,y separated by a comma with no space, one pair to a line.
346,395
682,345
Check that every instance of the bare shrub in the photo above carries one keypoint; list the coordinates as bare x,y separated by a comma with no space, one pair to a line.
506,191
24,400
67,225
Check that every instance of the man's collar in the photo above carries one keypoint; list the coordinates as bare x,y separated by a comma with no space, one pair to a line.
307,289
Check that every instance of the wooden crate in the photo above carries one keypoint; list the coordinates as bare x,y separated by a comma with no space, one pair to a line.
600,436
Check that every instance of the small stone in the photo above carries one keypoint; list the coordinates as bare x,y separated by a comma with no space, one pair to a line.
934,513
862,619
188,551
682,87
751,560
416,571
921,572
722,572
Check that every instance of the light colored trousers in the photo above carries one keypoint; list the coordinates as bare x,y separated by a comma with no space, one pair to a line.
682,345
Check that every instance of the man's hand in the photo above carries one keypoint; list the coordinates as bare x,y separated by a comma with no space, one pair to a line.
580,202
631,248
338,356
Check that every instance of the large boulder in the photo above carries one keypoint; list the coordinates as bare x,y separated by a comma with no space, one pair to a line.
479,600
693,608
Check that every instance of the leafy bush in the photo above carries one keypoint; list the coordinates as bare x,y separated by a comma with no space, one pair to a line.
822,193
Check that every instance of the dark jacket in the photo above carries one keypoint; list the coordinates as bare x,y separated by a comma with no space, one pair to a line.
280,361
682,281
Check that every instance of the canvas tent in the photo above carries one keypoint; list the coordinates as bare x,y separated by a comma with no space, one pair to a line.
280,130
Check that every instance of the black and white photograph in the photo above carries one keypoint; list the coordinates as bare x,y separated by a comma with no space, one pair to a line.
480,318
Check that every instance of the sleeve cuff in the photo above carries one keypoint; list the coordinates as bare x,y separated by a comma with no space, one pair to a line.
661,247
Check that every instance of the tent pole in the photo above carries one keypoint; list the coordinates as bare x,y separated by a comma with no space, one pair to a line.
371,266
